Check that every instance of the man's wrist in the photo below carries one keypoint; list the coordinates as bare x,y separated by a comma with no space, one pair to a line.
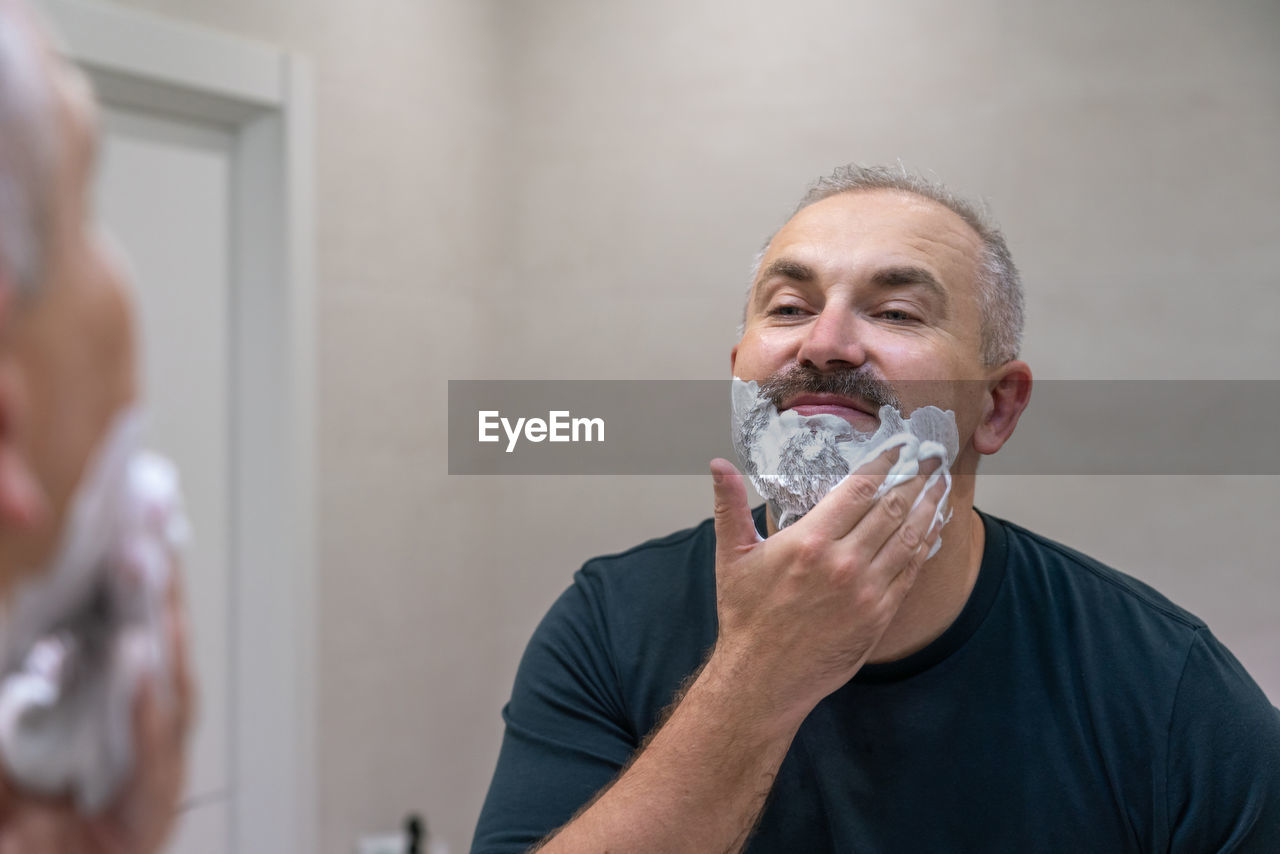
730,691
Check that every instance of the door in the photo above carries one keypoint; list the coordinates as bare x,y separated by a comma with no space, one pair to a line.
205,179
164,193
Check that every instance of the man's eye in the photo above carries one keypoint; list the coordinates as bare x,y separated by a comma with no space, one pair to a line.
786,311
897,316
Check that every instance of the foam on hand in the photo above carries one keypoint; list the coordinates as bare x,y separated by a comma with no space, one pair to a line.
79,637
794,460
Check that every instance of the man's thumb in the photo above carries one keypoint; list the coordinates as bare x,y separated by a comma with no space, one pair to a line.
734,525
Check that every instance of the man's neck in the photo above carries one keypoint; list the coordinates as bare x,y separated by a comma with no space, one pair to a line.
941,589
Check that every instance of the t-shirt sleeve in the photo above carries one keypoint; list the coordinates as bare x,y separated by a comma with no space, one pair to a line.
1224,758
566,734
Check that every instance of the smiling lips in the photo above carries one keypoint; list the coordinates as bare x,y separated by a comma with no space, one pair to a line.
856,412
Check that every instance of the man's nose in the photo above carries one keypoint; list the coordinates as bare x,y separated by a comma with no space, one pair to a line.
834,341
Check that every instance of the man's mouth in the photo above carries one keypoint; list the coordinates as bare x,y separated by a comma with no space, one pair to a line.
861,415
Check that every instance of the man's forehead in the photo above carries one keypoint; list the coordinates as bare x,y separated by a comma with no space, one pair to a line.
886,221
66,92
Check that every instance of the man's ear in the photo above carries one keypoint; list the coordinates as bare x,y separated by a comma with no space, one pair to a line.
1008,394
733,359
23,503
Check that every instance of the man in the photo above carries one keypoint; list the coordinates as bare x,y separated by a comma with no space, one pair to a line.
66,374
824,688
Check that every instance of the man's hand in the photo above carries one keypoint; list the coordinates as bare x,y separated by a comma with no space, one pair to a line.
801,611
799,614
143,814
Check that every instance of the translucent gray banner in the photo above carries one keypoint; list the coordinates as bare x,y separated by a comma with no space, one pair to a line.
617,427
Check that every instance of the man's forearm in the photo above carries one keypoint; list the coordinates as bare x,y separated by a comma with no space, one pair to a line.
798,614
700,783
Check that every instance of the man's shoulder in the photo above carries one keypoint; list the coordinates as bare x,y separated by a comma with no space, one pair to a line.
666,577
658,551
1080,582
676,552
653,607
1092,631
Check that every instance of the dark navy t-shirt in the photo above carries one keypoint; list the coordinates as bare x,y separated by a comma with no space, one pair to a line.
1069,708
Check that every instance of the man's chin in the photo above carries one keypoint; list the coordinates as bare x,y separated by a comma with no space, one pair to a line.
791,496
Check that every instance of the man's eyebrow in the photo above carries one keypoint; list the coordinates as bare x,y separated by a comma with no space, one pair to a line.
788,268
907,275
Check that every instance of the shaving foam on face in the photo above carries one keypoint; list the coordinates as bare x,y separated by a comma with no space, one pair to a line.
80,636
794,460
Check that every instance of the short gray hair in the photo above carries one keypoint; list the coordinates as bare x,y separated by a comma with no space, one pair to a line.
28,143
1000,301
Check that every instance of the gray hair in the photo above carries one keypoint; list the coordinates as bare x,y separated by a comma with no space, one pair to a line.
1000,300
28,149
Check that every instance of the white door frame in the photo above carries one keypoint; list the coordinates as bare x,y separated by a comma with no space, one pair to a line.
263,96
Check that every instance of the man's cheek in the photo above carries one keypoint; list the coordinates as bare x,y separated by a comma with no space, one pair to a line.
765,352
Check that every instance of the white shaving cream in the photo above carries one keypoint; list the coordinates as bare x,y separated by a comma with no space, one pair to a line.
794,460
81,635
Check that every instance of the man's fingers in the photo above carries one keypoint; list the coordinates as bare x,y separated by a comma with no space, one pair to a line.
905,544
734,525
929,466
146,808
883,521
36,828
844,506
184,692
900,585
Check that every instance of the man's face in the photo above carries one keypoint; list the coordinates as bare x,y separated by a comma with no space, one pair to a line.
68,360
877,288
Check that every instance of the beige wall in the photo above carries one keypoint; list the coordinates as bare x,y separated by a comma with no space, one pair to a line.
407,104
574,189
